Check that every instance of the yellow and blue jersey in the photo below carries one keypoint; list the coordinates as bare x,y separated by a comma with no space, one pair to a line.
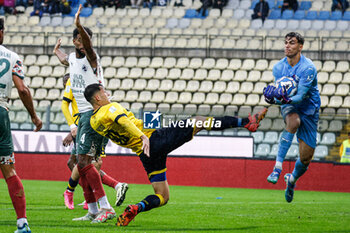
69,98
120,125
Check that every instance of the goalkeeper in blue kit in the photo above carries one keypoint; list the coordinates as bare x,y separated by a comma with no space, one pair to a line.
300,111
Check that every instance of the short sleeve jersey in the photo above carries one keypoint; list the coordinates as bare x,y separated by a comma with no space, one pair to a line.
305,74
82,75
68,96
105,122
10,64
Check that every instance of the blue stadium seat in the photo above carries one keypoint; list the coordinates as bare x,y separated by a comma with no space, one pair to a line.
75,3
86,12
73,11
305,5
346,15
271,3
190,13
287,14
299,15
323,15
275,14
254,2
311,15
336,15
279,5
205,15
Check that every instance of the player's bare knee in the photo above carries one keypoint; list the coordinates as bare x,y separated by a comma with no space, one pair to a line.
97,165
292,123
84,160
7,170
70,164
306,161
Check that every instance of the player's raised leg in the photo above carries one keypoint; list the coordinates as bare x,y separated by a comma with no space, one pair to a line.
292,124
221,123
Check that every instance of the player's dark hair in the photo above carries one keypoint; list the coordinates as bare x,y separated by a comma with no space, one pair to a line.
2,21
66,77
91,90
297,35
76,32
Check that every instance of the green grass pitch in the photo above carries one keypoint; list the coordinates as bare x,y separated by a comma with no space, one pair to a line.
191,209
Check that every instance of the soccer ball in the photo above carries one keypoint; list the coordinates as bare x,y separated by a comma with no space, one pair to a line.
289,83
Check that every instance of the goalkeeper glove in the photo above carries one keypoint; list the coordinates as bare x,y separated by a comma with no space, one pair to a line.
269,93
285,99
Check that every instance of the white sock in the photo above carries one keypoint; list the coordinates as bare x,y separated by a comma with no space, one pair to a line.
93,208
104,204
21,222
278,165
292,179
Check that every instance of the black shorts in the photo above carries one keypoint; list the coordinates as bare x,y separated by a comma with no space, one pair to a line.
162,142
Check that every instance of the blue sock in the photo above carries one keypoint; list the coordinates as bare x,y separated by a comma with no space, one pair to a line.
150,202
285,143
72,184
299,170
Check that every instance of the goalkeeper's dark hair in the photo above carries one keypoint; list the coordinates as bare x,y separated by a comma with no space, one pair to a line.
76,32
297,35
91,90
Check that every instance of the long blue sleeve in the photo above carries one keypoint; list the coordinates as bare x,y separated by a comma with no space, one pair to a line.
307,79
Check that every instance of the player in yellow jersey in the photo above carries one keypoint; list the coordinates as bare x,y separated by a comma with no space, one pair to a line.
72,120
152,146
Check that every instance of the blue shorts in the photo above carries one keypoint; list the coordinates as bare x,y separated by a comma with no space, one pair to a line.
307,130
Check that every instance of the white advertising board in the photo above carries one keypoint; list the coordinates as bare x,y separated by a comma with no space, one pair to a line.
51,142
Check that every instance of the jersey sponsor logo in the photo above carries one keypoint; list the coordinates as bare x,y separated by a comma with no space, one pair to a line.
78,81
151,120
